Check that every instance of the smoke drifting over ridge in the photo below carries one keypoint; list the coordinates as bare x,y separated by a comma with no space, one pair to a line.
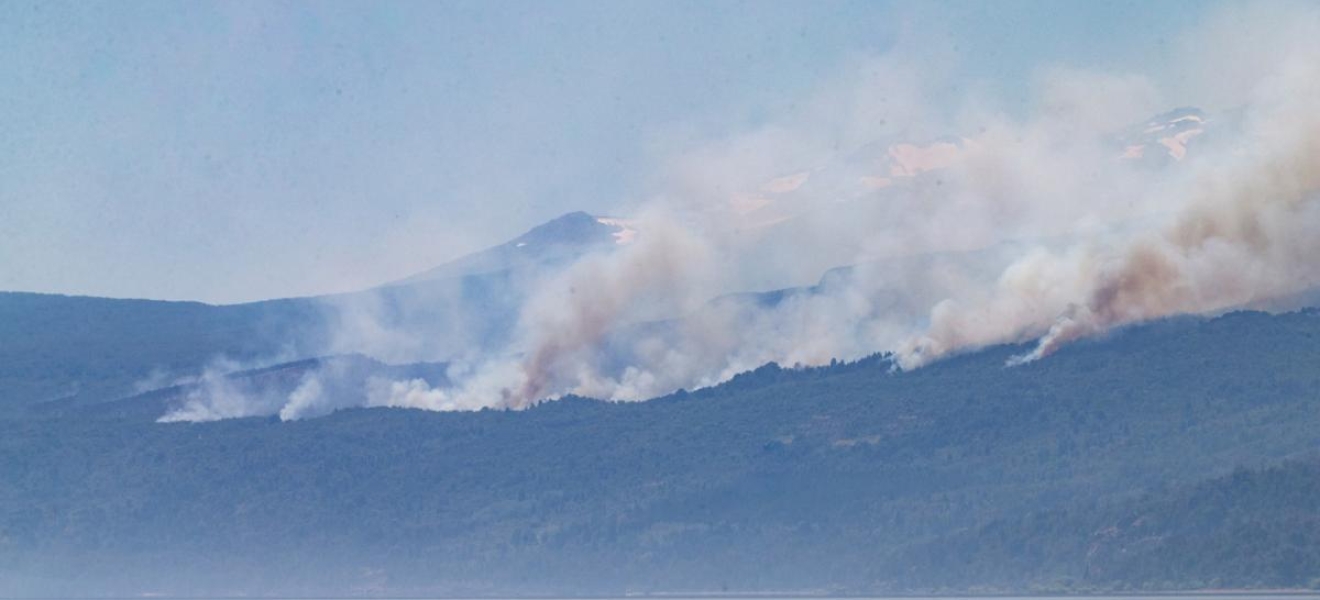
959,226
1244,230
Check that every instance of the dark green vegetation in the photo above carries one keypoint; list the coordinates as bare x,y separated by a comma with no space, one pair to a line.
78,348
1251,529
1115,464
67,350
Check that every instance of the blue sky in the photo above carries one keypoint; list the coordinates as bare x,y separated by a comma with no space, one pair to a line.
237,151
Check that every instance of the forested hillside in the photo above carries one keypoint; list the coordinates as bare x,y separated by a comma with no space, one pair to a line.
1070,473
1250,529
68,350
79,348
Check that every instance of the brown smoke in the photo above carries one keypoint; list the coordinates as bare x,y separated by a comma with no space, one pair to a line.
1035,230
566,322
1248,234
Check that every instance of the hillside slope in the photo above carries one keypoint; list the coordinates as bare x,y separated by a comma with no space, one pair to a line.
832,479
1251,529
70,348
77,350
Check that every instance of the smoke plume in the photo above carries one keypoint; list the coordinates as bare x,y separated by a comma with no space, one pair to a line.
890,212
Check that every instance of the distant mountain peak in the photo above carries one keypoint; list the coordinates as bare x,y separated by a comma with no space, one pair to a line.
573,228
559,239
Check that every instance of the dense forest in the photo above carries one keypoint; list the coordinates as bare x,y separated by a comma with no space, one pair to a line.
1251,529
1179,454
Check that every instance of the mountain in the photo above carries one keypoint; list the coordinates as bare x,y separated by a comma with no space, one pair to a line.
850,479
68,349
556,242
80,350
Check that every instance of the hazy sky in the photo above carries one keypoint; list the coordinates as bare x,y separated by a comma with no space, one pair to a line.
238,151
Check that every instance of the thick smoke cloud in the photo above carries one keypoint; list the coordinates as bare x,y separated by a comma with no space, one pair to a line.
912,219
1244,231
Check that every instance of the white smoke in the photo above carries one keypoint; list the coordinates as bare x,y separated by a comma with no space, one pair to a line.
1244,229
215,394
1101,241
965,225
